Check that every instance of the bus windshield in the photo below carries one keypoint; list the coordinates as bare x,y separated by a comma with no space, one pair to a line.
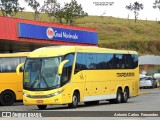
41,73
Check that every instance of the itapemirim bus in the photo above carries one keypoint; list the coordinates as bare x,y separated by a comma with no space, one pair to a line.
10,83
73,74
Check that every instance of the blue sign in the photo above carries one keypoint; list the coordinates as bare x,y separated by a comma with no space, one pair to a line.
58,34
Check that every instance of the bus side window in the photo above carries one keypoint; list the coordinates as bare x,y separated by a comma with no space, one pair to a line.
67,69
123,61
80,62
13,62
131,61
2,68
109,61
8,68
22,60
135,61
91,61
118,61
126,65
100,63
9,64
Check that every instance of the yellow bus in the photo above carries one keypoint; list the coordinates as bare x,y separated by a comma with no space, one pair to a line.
73,74
10,83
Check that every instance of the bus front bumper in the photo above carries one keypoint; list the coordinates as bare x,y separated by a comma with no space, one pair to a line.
42,101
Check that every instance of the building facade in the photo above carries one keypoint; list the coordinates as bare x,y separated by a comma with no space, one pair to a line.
26,35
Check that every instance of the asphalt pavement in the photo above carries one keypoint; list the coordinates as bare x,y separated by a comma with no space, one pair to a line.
147,102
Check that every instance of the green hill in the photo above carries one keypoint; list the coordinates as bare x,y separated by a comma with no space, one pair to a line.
143,36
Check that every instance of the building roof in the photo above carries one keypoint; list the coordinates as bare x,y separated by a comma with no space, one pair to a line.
149,60
26,35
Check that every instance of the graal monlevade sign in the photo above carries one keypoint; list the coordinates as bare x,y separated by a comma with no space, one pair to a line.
66,34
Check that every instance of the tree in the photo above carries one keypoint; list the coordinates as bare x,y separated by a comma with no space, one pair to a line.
102,16
70,12
10,7
135,8
35,6
52,8
156,4
73,11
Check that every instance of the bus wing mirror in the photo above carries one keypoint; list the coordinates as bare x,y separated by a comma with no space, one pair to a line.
60,68
18,68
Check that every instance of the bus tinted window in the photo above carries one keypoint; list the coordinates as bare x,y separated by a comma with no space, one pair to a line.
67,69
80,62
22,60
100,63
105,61
9,64
135,61
91,61
131,61
118,61
109,58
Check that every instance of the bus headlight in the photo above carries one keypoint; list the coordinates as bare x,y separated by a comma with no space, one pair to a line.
26,95
44,96
56,93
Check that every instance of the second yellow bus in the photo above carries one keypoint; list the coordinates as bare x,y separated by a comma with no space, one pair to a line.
10,82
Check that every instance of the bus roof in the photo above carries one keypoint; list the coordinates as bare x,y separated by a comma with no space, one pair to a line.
62,50
18,54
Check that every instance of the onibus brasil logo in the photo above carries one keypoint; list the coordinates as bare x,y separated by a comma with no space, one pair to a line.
50,33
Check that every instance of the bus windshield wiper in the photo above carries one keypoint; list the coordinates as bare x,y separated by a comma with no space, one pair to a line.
39,81
45,81
35,81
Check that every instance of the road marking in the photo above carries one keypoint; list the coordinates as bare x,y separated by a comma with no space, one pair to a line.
144,93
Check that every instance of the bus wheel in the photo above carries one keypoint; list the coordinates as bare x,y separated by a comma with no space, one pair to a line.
92,103
118,97
125,95
7,98
42,107
75,99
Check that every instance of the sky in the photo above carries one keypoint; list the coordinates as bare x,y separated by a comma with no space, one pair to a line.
117,10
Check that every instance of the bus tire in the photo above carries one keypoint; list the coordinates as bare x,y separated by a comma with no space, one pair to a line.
118,97
42,107
91,103
75,100
7,98
125,95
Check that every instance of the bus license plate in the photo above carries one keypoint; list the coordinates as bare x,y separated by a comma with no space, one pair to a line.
39,101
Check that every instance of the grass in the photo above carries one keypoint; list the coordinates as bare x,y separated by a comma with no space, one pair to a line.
143,36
